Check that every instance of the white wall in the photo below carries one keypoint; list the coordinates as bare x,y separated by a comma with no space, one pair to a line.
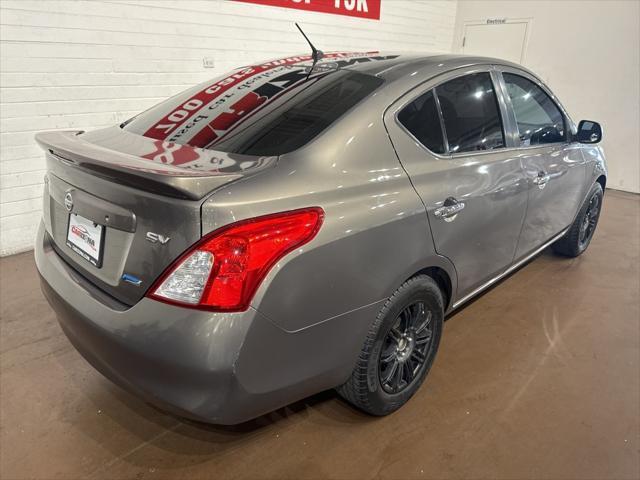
588,53
88,64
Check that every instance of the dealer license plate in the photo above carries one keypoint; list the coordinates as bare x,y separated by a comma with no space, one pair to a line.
86,238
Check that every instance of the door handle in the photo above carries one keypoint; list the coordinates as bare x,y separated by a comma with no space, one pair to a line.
450,209
542,179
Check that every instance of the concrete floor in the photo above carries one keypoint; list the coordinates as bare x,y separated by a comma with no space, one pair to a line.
538,378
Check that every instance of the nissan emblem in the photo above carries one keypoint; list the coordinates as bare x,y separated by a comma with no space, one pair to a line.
68,201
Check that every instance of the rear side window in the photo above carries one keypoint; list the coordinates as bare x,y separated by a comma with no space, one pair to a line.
539,119
421,118
470,112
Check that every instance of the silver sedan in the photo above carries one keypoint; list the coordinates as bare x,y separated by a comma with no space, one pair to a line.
300,225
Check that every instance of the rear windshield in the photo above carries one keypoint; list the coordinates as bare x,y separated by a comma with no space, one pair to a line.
269,113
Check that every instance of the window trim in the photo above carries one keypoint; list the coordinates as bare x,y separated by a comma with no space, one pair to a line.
506,110
442,79
569,125
443,128
412,136
503,122
443,131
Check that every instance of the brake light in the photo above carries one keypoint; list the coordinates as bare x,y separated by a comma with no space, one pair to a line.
224,269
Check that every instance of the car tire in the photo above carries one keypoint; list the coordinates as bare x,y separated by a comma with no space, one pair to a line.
579,235
412,314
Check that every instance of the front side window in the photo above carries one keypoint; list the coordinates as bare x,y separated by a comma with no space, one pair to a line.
421,118
539,119
471,114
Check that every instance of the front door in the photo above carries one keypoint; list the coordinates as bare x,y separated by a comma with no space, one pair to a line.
554,167
450,139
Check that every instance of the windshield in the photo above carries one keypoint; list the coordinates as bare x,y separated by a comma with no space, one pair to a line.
269,109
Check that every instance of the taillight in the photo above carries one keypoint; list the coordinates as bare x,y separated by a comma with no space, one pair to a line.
224,269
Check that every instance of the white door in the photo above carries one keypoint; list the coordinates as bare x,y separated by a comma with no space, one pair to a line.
503,40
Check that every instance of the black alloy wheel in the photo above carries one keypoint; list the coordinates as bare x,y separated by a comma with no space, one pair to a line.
581,231
590,220
405,348
400,348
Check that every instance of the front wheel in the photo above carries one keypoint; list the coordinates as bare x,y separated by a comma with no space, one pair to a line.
399,349
579,235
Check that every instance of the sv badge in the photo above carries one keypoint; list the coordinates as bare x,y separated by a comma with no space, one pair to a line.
157,238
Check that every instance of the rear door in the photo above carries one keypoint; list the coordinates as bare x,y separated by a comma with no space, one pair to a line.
451,140
554,167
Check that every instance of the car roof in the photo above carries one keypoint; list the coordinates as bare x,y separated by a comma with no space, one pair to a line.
390,67
406,70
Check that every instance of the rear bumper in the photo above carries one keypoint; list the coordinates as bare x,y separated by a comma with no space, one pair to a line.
179,359
222,368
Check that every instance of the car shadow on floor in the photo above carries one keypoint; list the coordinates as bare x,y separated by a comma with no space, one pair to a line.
187,442
145,420
546,254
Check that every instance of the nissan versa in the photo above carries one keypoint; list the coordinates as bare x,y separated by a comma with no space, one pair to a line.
306,224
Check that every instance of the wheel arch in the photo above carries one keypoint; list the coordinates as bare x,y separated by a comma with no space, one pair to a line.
602,180
443,280
446,281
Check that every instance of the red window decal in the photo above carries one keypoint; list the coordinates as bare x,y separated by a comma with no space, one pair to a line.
171,122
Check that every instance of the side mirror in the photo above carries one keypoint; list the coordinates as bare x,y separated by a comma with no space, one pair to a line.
589,132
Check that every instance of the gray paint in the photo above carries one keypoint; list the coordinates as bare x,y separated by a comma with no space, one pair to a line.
482,240
307,322
125,250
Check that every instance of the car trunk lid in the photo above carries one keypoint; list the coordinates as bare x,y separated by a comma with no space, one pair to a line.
120,207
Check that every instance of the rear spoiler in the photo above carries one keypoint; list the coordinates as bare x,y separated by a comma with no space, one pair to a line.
69,149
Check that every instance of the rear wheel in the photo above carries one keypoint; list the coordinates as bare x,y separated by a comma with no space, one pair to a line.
399,349
579,235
